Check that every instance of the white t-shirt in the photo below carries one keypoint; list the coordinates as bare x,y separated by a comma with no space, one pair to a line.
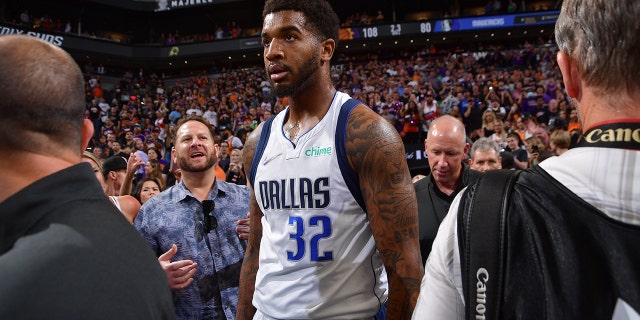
195,111
608,179
212,117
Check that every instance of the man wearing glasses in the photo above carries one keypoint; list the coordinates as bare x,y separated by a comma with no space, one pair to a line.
192,228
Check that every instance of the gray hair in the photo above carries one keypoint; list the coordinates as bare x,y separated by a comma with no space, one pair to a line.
603,37
485,144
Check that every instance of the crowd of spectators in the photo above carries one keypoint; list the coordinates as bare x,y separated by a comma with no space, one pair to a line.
44,22
495,91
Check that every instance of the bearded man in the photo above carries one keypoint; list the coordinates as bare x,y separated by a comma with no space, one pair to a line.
190,226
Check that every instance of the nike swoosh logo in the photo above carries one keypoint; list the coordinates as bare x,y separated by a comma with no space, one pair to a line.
264,163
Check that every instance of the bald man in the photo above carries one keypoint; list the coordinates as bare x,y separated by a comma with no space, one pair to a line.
66,252
446,147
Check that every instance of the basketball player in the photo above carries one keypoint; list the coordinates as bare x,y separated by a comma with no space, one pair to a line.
572,228
333,210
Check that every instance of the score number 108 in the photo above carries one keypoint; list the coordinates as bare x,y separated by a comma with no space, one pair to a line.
394,30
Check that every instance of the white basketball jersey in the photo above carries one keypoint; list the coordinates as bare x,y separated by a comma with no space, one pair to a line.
318,258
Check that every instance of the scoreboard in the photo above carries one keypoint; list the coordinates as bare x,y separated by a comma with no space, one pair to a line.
448,25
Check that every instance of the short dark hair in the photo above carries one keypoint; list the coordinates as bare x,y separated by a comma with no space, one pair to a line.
320,16
507,160
192,117
515,136
42,94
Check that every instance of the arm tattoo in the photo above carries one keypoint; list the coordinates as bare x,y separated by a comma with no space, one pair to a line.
376,153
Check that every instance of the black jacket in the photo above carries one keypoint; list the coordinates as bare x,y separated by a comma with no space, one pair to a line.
433,206
564,259
66,252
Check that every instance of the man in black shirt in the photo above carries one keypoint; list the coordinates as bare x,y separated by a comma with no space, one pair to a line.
473,115
446,147
66,252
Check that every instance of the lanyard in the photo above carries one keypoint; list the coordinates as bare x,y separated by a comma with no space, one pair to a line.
619,135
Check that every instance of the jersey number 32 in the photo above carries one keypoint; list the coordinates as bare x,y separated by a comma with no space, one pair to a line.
325,231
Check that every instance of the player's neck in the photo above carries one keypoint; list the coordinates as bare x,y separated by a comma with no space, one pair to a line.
308,108
315,100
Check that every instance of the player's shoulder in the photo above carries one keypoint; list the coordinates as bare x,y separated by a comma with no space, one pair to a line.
367,125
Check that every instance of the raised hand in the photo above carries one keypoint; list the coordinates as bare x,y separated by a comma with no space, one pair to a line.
179,273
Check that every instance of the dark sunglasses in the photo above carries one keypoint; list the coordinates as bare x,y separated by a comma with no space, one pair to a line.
210,222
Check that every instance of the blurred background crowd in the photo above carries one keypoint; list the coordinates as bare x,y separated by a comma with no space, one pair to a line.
508,90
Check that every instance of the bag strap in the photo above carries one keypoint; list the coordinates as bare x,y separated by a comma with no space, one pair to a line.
481,235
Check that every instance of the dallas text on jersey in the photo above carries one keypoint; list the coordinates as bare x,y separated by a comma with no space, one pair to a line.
295,193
